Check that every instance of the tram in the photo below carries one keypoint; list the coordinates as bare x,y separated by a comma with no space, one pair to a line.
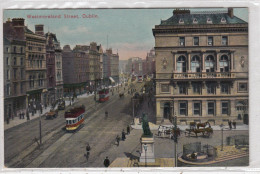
74,118
103,95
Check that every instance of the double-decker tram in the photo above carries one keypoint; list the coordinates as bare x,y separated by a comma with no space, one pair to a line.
74,118
103,95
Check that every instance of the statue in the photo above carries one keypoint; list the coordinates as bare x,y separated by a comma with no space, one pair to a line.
145,125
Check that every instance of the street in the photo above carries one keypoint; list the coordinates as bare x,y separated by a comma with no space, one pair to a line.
98,131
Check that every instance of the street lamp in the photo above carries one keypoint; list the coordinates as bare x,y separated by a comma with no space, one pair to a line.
175,137
221,126
145,150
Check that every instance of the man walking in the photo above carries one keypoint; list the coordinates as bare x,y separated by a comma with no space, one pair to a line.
88,151
117,140
123,135
106,162
128,129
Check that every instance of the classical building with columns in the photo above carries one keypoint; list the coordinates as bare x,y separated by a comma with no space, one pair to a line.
202,67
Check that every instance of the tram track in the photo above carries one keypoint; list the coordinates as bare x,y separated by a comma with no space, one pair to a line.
50,136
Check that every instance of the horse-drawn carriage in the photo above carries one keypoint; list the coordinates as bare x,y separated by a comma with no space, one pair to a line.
52,114
199,128
164,131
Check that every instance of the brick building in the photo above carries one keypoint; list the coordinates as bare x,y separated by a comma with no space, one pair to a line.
14,68
202,67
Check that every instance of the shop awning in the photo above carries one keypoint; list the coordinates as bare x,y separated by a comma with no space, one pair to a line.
112,80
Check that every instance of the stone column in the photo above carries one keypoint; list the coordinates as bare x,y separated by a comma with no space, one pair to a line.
217,61
204,110
174,61
190,113
159,117
203,62
232,61
188,61
218,108
232,108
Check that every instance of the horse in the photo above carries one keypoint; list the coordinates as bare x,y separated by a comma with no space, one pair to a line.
203,125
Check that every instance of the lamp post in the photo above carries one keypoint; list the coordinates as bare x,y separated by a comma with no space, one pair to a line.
40,127
221,126
145,149
175,137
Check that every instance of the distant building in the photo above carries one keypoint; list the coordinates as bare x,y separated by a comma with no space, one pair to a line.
135,66
150,62
202,68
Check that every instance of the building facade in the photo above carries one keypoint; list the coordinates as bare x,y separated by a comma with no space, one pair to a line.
36,66
202,68
14,68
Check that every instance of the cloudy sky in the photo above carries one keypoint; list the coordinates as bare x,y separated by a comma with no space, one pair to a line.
128,30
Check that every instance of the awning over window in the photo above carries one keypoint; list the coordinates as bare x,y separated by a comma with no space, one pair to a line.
112,80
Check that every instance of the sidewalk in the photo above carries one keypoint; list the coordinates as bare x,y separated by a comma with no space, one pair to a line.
17,121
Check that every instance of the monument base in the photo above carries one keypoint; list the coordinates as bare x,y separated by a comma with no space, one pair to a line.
147,154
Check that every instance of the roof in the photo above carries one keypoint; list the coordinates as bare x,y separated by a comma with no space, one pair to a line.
188,18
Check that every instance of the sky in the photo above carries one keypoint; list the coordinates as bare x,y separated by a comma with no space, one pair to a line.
126,31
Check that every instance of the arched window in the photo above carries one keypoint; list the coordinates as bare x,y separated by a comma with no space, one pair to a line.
195,64
223,63
39,80
181,64
210,63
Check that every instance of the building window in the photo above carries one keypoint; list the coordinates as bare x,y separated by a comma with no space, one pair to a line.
209,21
21,61
165,88
197,108
211,88
211,108
209,63
181,21
242,87
21,49
225,107
182,41
14,49
195,21
183,108
8,91
196,41
22,74
210,41
14,71
196,88
40,63
15,88
223,20
225,88
21,88
7,49
224,40
223,63
7,61
15,60
181,64
7,75
195,64
182,88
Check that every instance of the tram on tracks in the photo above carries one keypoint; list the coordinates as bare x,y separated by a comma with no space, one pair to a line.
103,95
74,118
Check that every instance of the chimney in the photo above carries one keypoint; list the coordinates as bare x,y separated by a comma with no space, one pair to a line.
39,29
18,22
230,12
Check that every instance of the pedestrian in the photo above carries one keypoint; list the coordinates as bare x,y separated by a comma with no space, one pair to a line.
230,124
106,162
27,115
117,140
23,115
41,108
234,124
123,135
20,115
128,129
106,113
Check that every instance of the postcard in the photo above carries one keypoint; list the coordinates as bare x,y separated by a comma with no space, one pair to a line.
121,88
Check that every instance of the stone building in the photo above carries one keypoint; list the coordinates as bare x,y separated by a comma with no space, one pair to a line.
106,69
202,67
14,68
134,66
75,69
114,65
36,66
150,62
94,66
54,68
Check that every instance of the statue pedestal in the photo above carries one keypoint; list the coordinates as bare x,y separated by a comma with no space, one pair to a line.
148,154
